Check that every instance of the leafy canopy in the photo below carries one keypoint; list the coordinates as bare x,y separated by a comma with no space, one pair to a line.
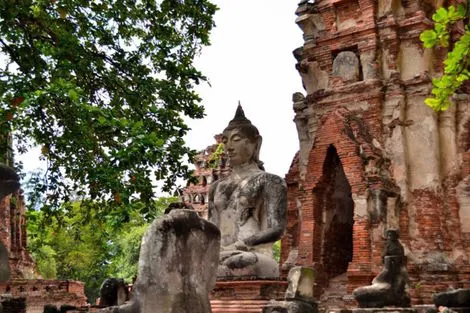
456,64
102,86
84,245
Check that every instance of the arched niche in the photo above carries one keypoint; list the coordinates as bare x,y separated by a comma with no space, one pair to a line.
335,213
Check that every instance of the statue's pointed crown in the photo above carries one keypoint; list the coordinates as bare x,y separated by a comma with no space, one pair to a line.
239,119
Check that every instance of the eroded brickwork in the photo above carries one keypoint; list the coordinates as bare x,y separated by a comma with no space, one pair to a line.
399,165
13,235
39,292
25,293
208,168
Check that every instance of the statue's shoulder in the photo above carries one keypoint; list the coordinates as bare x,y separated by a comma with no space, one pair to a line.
271,179
213,186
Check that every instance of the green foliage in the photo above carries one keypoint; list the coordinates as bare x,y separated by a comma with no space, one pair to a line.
102,87
127,249
456,65
46,264
214,158
277,250
87,246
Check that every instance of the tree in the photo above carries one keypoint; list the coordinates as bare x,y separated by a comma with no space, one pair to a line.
457,62
102,87
86,246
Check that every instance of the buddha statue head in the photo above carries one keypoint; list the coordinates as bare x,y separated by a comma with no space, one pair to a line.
242,141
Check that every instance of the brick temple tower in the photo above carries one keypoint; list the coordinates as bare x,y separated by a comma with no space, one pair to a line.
18,277
13,225
372,155
209,168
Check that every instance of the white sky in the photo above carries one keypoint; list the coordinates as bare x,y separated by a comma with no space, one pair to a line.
250,60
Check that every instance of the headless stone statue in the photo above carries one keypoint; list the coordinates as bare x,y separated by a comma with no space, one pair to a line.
177,266
389,287
249,206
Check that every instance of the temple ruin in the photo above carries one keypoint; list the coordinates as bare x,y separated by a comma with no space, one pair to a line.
21,290
373,156
209,166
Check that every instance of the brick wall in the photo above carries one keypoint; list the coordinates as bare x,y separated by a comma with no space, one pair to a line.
407,167
41,292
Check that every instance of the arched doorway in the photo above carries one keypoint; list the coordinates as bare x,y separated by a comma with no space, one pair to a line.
337,208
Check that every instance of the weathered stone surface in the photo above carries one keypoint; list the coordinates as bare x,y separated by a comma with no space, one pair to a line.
177,266
9,180
51,308
416,179
452,298
313,77
4,264
381,310
301,281
311,25
113,291
346,65
10,304
249,206
290,307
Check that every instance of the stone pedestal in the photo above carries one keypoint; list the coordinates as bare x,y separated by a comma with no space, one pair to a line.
245,296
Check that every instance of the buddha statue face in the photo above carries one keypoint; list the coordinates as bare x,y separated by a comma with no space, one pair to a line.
242,140
239,147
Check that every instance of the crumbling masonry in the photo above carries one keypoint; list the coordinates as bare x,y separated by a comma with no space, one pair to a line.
372,155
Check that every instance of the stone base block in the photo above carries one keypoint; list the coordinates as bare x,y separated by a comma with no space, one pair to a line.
381,310
249,290
245,296
290,307
39,292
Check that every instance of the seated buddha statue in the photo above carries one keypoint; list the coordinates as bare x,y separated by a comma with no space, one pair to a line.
248,206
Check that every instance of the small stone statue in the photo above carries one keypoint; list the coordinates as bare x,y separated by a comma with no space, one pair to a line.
113,291
299,297
389,287
249,206
393,247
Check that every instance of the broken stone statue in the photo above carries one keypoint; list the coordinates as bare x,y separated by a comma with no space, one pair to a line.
113,291
177,266
249,206
455,298
299,296
389,287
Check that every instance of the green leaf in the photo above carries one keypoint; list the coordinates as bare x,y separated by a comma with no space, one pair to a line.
89,93
429,38
73,95
440,16
433,103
